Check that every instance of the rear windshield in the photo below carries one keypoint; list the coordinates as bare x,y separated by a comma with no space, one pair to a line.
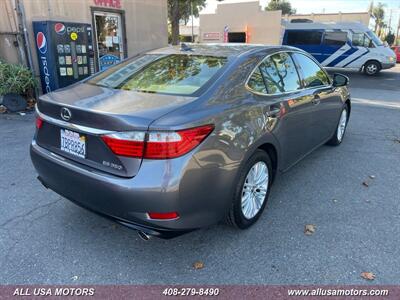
178,74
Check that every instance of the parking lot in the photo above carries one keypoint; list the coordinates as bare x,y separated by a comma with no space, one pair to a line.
48,240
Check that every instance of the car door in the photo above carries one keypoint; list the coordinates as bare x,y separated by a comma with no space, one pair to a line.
325,99
277,83
336,48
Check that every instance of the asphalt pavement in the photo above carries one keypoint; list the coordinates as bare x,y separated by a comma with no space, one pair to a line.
45,239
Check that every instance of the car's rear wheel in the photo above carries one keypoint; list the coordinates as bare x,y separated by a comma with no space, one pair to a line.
252,191
337,138
372,68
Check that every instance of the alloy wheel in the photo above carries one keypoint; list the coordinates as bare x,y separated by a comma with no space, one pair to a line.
254,189
342,125
372,68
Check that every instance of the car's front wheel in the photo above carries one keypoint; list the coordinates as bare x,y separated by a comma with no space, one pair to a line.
252,191
372,68
338,136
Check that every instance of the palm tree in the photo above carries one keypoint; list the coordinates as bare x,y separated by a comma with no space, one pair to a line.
378,13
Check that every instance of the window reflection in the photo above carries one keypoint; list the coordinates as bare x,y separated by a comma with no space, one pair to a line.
175,74
256,82
280,74
313,75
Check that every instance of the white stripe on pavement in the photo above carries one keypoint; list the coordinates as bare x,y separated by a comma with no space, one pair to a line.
382,103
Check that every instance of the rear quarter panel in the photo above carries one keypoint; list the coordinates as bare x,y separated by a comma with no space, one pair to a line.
241,126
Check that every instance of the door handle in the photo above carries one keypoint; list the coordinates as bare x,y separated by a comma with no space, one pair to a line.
316,100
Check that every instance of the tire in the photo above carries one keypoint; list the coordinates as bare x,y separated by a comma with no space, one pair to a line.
372,68
236,217
338,136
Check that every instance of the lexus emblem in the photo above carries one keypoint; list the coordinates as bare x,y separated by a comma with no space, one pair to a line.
66,114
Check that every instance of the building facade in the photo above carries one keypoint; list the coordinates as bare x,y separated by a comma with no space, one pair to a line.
243,22
248,22
118,28
361,17
189,33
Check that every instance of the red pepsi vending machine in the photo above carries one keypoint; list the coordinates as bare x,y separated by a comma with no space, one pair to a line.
65,53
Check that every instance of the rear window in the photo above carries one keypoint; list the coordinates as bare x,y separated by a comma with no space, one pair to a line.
304,37
179,74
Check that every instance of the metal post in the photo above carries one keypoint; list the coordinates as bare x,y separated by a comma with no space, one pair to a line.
191,12
19,6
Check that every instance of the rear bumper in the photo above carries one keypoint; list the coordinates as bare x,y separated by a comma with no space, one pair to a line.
178,185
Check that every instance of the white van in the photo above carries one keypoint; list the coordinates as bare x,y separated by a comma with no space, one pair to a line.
341,45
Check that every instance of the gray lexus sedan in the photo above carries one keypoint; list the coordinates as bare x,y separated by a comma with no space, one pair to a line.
180,138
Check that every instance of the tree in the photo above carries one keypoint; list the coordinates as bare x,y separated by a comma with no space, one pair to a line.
282,5
390,38
180,10
378,13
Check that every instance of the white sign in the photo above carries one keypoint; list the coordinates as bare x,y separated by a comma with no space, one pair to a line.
211,36
109,41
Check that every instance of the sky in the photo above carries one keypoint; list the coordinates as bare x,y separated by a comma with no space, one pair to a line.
320,6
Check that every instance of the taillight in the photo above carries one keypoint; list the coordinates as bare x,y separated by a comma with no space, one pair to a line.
162,145
39,122
163,216
157,144
126,143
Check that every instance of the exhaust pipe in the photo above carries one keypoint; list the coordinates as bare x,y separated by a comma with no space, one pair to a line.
144,236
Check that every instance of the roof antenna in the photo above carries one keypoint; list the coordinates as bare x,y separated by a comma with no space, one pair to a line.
185,47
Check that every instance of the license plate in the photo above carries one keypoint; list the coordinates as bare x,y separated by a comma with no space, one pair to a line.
73,143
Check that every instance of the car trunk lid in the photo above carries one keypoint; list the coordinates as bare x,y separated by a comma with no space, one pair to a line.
94,111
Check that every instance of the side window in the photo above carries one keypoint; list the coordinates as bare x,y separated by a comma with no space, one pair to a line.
335,38
256,82
304,37
280,74
312,73
358,39
368,43
361,40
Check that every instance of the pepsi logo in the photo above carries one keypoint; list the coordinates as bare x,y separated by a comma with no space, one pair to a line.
41,42
60,28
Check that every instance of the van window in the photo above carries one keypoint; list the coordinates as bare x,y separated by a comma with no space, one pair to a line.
313,75
335,38
280,74
374,37
361,40
304,37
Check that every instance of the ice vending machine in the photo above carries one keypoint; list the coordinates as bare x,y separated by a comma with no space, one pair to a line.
65,53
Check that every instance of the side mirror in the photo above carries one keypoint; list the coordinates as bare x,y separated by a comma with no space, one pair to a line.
340,80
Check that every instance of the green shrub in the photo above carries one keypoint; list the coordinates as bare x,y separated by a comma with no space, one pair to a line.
16,79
